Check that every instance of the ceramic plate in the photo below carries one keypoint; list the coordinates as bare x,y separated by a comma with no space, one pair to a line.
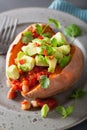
11,116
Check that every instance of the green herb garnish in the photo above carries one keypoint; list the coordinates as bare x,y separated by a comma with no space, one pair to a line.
78,93
50,21
55,22
54,42
73,30
27,37
64,111
47,34
44,81
64,61
39,29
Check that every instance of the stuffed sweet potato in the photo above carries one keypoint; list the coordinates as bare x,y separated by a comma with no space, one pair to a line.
41,63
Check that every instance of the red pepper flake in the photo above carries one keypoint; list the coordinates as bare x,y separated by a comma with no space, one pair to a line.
45,52
51,57
40,37
35,34
22,61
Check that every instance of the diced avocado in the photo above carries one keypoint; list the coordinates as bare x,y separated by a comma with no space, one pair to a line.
52,64
45,50
65,49
12,72
57,53
41,60
28,65
59,38
36,40
20,55
44,41
30,49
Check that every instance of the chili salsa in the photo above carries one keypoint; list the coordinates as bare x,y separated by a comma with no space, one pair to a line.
39,53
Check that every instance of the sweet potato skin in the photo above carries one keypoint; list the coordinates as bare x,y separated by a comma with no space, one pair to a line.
62,81
59,82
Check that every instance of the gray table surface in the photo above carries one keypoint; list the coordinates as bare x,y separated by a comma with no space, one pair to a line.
12,4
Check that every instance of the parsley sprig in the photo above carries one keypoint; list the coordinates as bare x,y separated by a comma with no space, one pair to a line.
66,111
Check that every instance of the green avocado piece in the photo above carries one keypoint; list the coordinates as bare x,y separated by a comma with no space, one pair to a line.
28,64
44,41
30,49
52,64
36,40
57,53
41,60
65,49
20,55
12,72
59,39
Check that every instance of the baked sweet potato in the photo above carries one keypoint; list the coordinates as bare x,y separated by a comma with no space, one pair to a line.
60,80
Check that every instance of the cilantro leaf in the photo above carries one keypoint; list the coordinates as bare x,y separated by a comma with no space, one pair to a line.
54,42
73,30
69,110
78,93
64,112
55,22
38,29
27,37
64,61
44,81
49,50
47,34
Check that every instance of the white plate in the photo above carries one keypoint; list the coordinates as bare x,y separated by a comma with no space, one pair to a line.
11,116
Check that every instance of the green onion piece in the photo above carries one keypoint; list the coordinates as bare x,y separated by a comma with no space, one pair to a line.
44,110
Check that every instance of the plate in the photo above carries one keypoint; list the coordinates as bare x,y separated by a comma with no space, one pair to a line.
11,116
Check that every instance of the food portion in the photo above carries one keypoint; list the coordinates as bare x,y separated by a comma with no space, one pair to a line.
41,63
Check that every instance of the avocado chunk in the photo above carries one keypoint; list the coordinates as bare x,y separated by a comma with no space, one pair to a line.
59,38
20,55
65,49
52,64
57,53
26,63
41,60
44,41
12,72
30,49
